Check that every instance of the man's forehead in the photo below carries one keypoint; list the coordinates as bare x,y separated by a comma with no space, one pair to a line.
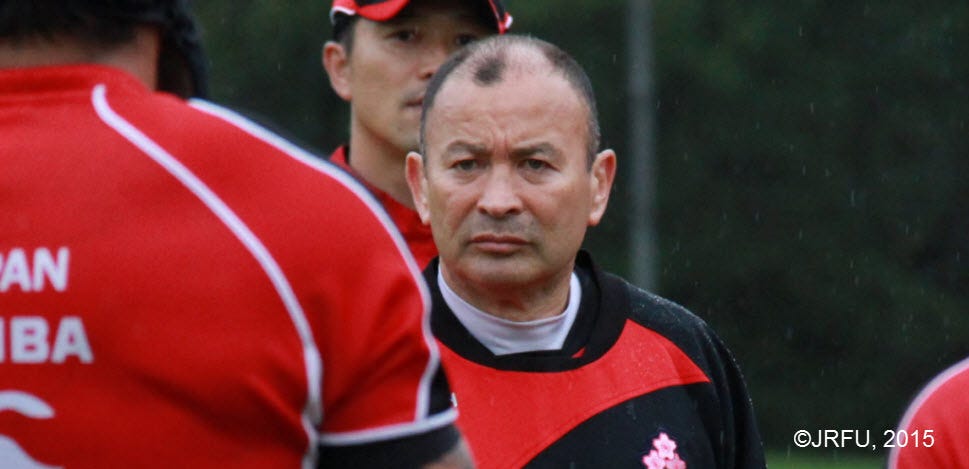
528,103
517,102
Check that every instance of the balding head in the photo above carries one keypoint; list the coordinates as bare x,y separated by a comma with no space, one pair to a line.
509,177
497,59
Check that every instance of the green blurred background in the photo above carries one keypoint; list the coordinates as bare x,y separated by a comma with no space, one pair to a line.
811,162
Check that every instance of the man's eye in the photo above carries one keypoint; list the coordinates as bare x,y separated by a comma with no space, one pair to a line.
535,164
405,35
466,165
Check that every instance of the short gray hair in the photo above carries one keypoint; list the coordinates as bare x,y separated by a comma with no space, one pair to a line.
488,61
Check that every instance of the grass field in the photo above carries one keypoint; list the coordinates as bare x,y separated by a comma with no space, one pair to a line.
801,460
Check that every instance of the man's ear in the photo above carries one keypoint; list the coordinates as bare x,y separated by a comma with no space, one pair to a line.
417,182
336,61
601,177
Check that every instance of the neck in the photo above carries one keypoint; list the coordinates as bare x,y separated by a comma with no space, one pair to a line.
514,302
138,56
380,163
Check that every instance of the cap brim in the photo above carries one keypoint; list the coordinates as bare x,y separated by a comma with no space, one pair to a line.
388,9
382,11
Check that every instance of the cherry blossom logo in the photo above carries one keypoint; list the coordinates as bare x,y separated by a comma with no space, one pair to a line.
663,454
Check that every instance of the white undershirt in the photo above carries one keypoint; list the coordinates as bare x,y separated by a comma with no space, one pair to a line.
504,337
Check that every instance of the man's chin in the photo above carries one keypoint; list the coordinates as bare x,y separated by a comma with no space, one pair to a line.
407,145
498,271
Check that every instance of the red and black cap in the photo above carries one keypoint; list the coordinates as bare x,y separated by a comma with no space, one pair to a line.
383,10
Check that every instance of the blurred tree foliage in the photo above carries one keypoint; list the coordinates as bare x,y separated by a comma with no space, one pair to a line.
812,160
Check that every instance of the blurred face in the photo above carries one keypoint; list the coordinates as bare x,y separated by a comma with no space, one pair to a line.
505,183
386,72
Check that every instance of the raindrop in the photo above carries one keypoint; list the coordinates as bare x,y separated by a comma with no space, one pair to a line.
800,31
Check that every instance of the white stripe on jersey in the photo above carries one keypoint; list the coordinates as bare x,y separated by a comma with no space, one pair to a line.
312,414
423,421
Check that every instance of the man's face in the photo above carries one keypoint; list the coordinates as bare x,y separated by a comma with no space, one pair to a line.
390,63
505,183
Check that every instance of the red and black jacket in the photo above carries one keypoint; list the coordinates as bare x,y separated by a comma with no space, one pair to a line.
640,382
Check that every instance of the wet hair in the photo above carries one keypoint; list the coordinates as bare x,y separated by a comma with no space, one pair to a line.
106,23
343,25
486,63
87,21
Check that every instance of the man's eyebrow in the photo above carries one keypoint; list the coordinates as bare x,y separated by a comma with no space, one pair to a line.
395,21
529,150
466,147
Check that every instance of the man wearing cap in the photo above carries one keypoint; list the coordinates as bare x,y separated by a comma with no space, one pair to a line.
380,60
553,362
165,301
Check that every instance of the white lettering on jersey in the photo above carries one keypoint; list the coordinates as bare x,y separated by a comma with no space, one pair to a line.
14,457
14,271
25,404
29,341
11,454
54,272
31,276
71,340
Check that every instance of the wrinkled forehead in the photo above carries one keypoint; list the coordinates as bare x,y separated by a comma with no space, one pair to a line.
524,104
510,77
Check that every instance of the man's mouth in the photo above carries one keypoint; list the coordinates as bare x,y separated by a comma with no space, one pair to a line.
415,102
498,243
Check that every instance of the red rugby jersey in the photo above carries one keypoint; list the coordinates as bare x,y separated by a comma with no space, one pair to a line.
181,288
935,428
417,235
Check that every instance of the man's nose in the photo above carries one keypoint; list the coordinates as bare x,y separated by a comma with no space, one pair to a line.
499,196
432,58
